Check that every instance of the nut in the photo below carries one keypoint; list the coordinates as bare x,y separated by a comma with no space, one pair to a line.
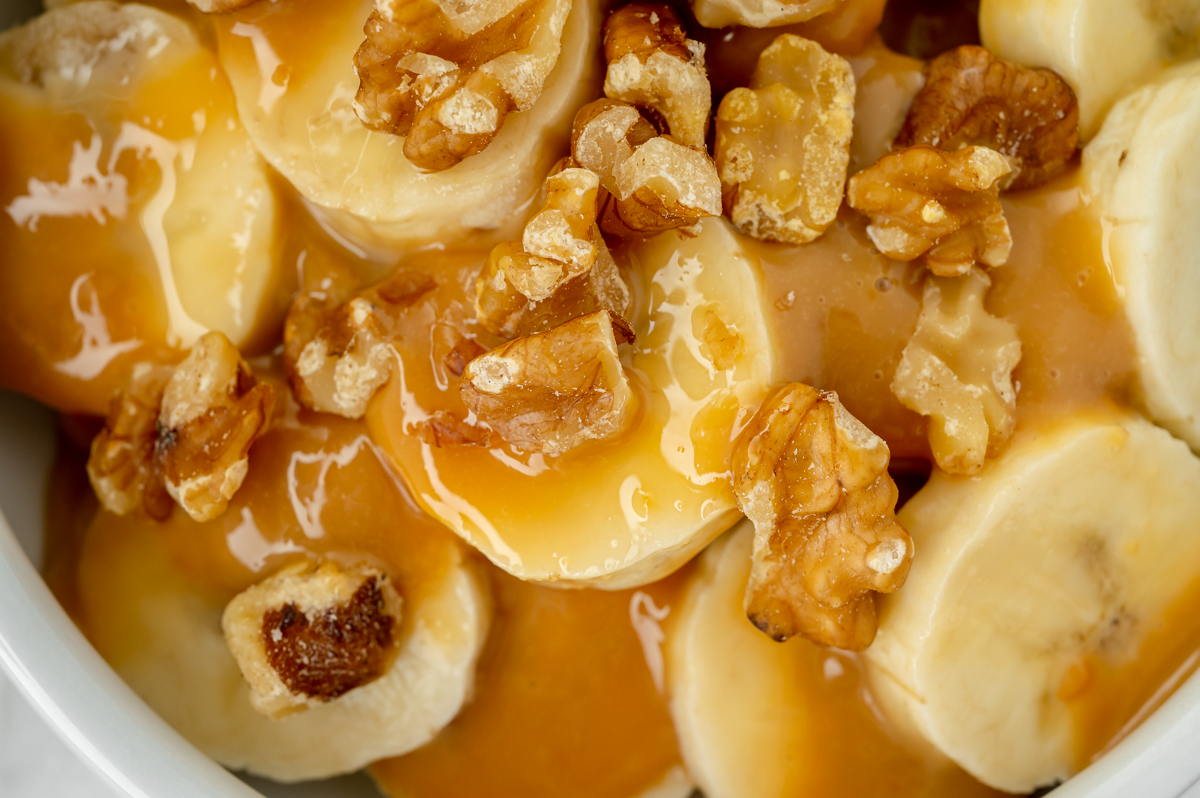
652,64
218,6
121,464
212,410
462,353
971,97
560,269
943,205
763,13
957,370
552,391
814,482
309,635
654,183
783,144
444,430
337,355
446,76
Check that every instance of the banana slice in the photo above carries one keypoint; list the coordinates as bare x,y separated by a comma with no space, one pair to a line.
1142,179
292,69
137,214
617,513
1103,48
1058,559
315,491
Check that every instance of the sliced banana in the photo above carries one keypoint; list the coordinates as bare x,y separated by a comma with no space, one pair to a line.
141,216
618,513
1142,179
1066,551
1103,48
144,609
292,69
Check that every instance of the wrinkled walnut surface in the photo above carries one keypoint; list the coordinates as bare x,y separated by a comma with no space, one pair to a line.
553,391
814,482
971,97
944,206
446,76
783,143
652,64
213,409
309,635
957,370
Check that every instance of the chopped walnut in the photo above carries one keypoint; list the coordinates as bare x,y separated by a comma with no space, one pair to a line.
653,182
337,355
971,97
446,76
444,430
942,205
121,465
957,370
308,635
814,482
462,353
212,410
652,63
761,13
783,144
552,391
560,269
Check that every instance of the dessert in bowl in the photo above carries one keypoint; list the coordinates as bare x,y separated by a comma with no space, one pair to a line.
555,397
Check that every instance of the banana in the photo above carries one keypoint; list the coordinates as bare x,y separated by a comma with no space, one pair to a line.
315,490
141,216
1141,177
1103,48
620,513
1056,561
292,69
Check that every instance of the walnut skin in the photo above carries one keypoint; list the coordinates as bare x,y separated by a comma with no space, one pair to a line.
814,482
652,64
553,391
446,79
121,464
783,144
213,409
944,206
309,635
971,97
957,370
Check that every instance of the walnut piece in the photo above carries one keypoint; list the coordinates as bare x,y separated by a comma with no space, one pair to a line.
761,13
121,464
444,430
971,97
783,144
447,75
942,205
652,64
814,482
212,410
552,391
337,355
653,183
957,370
308,635
560,269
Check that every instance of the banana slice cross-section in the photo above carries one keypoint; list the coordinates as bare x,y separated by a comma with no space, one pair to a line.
316,492
615,513
291,64
1056,563
1142,180
1103,48
135,214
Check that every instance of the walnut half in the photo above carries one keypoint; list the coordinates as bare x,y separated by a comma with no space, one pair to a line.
783,143
957,370
944,206
309,635
1030,116
213,409
553,391
814,482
